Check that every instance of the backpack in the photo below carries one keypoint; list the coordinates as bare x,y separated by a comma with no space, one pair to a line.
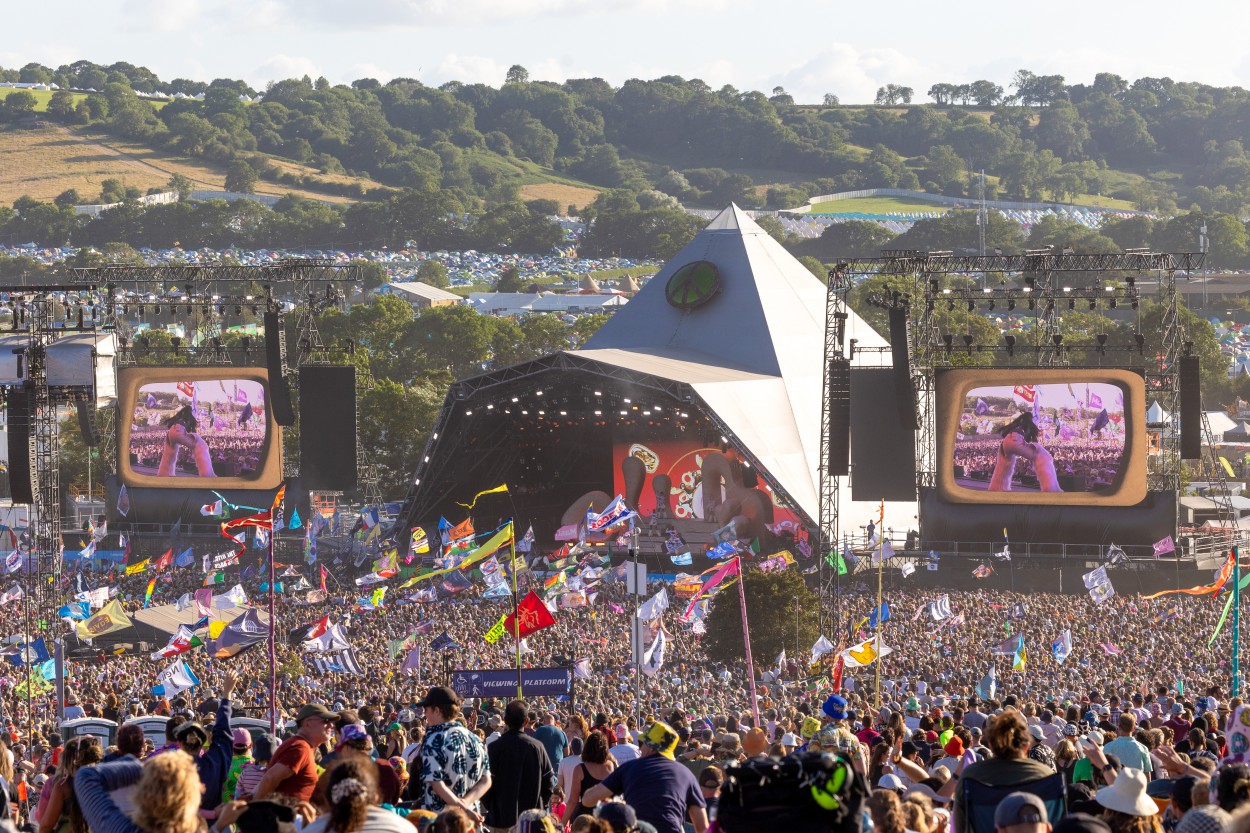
808,792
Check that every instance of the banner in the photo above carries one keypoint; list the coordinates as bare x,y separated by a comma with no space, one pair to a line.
535,682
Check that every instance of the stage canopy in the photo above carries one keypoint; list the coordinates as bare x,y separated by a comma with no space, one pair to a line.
705,361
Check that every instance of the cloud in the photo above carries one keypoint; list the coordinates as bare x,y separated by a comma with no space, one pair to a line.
160,15
852,74
282,66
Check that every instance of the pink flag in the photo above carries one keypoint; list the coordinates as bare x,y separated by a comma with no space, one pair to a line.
616,608
203,601
1165,546
1110,649
730,568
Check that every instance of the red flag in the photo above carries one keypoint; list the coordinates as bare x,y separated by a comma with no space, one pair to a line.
165,561
531,615
838,668
319,627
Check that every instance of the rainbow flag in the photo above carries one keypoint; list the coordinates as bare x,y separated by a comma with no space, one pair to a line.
147,596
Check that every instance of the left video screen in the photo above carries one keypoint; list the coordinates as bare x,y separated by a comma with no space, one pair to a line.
197,427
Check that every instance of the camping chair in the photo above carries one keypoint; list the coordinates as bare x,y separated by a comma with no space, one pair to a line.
980,800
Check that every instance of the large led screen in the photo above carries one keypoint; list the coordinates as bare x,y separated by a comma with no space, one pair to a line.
1044,436
197,428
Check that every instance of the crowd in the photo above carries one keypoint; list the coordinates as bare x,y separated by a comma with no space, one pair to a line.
410,752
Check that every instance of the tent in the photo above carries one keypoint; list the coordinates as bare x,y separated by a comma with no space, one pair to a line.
1155,415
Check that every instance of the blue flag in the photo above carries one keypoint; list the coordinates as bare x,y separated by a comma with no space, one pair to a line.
77,611
722,550
185,558
879,616
80,583
295,521
684,559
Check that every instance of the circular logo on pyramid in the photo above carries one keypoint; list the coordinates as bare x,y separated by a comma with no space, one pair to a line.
693,285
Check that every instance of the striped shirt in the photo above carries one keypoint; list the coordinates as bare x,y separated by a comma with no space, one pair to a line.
249,779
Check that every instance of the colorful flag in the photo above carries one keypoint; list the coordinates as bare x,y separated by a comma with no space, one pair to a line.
1021,657
147,594
111,618
494,491
654,606
614,513
823,646
214,578
983,571
1061,648
1164,546
214,509
165,561
123,501
879,615
420,542
865,653
135,569
531,615
174,679
497,630
653,657
684,559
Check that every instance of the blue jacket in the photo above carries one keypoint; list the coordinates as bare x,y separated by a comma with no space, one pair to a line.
214,764
92,785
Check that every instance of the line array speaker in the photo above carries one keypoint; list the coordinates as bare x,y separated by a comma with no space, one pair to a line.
87,424
839,417
900,351
21,488
275,360
327,427
1191,408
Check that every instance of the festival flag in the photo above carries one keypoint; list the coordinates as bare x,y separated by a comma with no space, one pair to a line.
879,615
983,571
1102,592
1095,577
730,568
412,663
214,578
823,646
503,488
940,608
1164,546
1110,649
244,632
323,579
214,509
135,569
295,523
1115,555
178,677
654,606
653,657
111,618
553,581
1061,648
526,544
1221,578
531,615
1018,611
1021,657
1008,647
684,559
331,639
1228,468
77,611
147,594
614,513
378,597
987,688
722,550
907,569
123,501
865,653
497,630
164,562
420,542
185,559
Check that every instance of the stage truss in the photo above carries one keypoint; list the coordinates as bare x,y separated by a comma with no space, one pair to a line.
1034,283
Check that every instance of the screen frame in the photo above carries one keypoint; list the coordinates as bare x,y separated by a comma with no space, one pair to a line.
130,379
952,387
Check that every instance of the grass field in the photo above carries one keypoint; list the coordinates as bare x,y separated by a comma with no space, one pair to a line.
42,97
44,163
877,205
564,195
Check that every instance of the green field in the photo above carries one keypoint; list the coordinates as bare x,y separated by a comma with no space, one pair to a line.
42,97
877,205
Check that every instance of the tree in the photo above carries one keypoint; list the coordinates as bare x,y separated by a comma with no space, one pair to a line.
831,100
434,273
20,103
372,275
854,238
182,184
783,613
241,177
985,93
815,267
61,105
773,226
517,74
68,197
509,280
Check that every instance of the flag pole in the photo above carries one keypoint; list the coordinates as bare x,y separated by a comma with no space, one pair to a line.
516,612
880,573
273,627
746,643
1236,621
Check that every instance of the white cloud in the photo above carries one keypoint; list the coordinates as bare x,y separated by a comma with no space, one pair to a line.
281,66
850,73
160,15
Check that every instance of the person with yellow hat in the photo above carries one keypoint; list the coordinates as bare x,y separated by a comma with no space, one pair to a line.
661,791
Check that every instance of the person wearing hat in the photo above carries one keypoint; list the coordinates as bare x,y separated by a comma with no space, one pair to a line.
622,818
455,768
292,770
263,746
522,776
1021,812
1126,796
242,757
788,743
661,791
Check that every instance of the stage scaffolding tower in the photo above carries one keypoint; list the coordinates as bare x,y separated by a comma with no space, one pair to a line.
928,283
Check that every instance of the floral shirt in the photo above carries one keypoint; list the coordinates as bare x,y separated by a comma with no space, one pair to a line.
453,755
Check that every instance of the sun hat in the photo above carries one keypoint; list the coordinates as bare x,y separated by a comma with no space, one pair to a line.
662,738
1070,730
1019,808
890,781
314,710
835,707
954,747
1128,794
788,739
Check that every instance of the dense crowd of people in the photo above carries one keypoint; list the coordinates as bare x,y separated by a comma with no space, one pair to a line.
393,747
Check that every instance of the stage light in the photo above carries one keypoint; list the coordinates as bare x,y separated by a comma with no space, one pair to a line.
1113,303
1141,342
1033,304
1134,303
627,401
1071,303
1011,304
950,305
946,291
1067,289
490,407
468,413
1131,281
1029,282
948,340
542,413
1102,344
623,413
972,306
933,285
1093,304
538,393
1057,339
987,290
990,305
1011,344
685,415
525,413
598,413
176,342
598,393
968,342
564,413
436,435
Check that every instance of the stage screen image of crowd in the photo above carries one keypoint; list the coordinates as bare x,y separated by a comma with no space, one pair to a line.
197,428
1045,436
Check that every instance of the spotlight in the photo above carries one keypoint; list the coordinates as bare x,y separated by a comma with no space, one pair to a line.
1071,303
990,305
948,340
1057,339
950,304
1102,344
1011,304
1113,303
972,306
1093,304
1141,343
1011,344
1033,304
176,342
968,342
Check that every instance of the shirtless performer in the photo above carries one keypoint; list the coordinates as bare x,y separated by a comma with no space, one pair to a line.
181,434
1020,440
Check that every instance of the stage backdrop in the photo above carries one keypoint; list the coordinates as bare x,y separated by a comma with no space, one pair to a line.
682,460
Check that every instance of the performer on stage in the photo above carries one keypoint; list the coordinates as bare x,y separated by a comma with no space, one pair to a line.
1020,439
180,434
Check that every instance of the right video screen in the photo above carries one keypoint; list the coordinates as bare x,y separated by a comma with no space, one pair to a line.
1041,436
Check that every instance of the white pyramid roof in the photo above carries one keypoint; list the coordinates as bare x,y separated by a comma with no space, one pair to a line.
1155,415
754,353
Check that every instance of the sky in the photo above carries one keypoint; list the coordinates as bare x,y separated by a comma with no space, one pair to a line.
845,48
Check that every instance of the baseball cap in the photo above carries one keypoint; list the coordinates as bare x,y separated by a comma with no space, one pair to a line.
242,739
890,781
1020,808
314,710
618,814
440,696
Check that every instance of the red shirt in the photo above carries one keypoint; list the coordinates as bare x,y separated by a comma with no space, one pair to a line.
297,755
